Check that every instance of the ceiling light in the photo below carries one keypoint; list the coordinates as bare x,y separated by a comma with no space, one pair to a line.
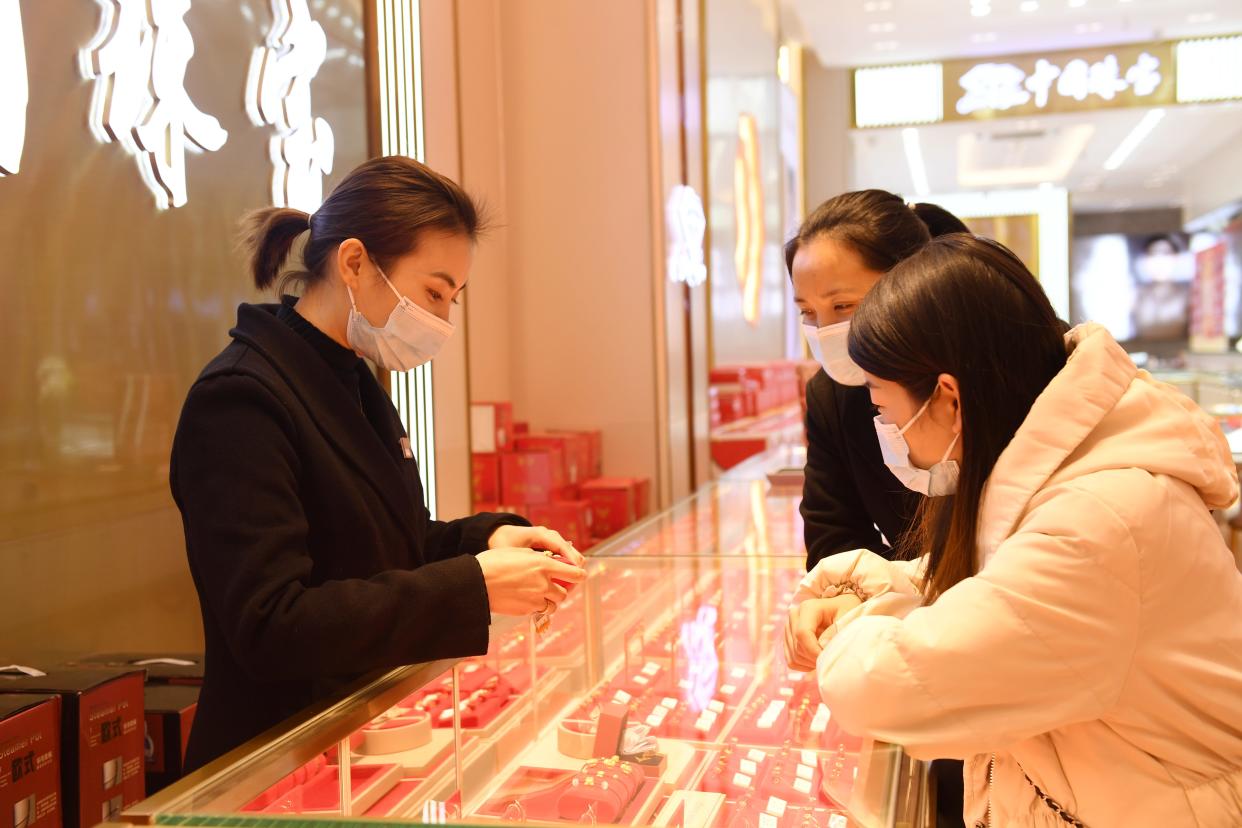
1029,5
1201,17
886,45
980,11
983,37
878,5
914,159
1131,141
985,162
881,28
1077,4
1086,28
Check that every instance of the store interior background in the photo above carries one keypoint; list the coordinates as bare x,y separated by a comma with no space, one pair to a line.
572,122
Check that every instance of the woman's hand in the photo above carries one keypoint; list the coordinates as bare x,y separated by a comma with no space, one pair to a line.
521,580
535,537
807,622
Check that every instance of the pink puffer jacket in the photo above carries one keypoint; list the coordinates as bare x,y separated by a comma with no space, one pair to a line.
1097,654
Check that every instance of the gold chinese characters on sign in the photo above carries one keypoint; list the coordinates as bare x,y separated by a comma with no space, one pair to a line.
1072,81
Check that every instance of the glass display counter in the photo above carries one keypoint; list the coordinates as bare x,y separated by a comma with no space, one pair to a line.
658,695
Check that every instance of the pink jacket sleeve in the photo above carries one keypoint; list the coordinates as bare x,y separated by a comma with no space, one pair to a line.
990,662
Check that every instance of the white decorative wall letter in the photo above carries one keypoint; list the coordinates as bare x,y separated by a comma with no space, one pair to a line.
278,93
687,225
138,59
14,88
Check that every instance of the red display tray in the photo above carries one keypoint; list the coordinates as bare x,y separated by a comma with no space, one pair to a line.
533,794
316,789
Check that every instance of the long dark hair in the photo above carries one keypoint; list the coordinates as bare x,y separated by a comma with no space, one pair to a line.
968,307
877,224
386,203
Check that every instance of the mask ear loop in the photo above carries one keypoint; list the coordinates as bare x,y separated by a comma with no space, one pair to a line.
387,281
915,418
949,450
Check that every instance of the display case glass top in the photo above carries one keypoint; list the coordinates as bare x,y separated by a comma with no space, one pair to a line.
658,694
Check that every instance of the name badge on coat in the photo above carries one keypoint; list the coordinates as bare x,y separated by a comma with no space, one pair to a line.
406,451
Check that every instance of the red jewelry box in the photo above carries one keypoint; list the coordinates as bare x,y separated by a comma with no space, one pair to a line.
170,713
572,518
610,729
101,739
485,478
594,457
30,760
613,504
574,448
491,427
532,476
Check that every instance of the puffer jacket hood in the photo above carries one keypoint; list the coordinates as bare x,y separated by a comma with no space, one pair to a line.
1101,413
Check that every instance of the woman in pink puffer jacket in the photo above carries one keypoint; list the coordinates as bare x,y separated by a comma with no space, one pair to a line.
1070,622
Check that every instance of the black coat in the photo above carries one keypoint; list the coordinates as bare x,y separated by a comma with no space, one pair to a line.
850,496
314,557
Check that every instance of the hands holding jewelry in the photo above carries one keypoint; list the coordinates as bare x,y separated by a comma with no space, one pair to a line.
807,622
521,580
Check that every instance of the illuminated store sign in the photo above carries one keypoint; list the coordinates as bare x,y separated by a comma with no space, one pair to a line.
138,59
278,94
1141,74
687,225
1051,84
14,89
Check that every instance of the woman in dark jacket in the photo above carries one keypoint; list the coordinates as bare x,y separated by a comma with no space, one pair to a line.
313,554
850,499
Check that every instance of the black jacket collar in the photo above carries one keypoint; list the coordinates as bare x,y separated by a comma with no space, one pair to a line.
330,405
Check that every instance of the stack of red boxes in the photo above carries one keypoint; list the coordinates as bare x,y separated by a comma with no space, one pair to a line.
100,755
617,502
170,702
553,478
739,391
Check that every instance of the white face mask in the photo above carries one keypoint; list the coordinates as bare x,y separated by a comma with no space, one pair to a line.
939,480
411,337
830,347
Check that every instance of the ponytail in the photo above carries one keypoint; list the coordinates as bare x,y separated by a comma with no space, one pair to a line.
267,236
386,203
939,221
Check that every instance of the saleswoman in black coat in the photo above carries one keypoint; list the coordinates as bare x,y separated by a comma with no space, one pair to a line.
313,554
850,499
